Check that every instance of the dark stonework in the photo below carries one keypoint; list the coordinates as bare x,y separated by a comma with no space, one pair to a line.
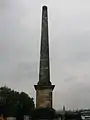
44,114
44,73
44,87
41,87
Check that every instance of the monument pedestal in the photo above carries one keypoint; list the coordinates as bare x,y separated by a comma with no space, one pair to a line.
43,114
44,96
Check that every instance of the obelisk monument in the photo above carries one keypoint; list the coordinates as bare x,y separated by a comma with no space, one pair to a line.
44,87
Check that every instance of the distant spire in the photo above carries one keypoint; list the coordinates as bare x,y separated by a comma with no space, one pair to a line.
63,108
44,73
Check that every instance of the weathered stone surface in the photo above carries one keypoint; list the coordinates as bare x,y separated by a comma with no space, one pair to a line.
44,98
44,87
44,73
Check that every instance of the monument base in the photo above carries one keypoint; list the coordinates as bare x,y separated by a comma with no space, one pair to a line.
44,96
43,113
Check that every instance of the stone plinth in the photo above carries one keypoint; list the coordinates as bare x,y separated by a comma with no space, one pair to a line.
44,96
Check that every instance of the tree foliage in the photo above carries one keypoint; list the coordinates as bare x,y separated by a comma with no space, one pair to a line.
13,103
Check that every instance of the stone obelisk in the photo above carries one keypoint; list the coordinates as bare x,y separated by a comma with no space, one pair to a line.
44,86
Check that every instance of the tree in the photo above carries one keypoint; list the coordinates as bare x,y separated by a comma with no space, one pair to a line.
13,103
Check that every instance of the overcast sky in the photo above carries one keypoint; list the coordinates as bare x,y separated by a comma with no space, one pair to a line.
69,38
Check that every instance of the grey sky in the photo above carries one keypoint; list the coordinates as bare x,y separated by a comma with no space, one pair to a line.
69,37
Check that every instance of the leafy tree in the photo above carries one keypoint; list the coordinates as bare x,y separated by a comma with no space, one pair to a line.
13,103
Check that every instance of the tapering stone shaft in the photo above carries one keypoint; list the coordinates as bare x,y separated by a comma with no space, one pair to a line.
44,73
44,87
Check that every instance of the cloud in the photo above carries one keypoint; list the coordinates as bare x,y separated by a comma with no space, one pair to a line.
69,28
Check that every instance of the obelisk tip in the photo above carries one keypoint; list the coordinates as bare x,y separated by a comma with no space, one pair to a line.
44,7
